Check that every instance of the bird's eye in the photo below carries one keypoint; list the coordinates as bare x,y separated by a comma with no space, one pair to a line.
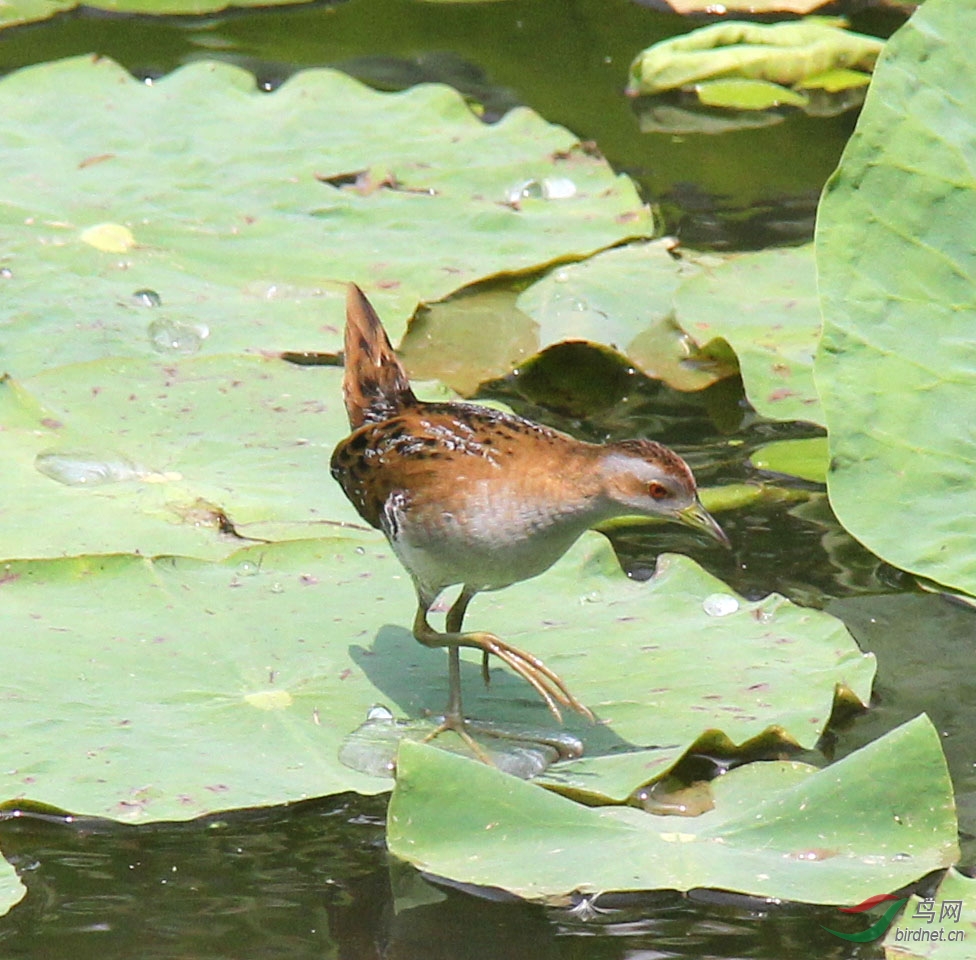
658,491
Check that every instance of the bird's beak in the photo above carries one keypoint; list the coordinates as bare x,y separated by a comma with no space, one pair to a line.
698,517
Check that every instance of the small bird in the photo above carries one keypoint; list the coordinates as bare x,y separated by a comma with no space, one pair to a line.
473,496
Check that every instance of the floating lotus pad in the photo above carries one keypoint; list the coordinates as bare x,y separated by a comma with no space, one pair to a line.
201,200
788,54
27,11
144,689
669,315
806,459
126,456
778,829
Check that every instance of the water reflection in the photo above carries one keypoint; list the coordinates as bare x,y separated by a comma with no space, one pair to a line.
312,880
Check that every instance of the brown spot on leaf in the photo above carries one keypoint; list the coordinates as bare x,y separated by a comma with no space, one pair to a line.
93,160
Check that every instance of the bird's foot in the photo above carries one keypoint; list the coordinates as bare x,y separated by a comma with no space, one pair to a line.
457,724
531,749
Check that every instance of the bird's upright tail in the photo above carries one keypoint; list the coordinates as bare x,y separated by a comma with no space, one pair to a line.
375,385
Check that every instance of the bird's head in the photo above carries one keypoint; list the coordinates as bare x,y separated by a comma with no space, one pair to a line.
647,479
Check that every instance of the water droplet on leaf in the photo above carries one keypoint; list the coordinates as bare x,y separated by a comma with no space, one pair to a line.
77,469
378,712
525,190
170,336
147,298
720,604
558,188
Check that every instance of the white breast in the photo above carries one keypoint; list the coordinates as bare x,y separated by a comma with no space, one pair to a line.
504,541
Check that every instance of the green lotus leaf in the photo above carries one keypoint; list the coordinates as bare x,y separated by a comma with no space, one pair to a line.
27,11
765,306
783,53
941,928
740,694
142,689
747,95
228,219
167,688
806,459
11,889
134,456
670,318
876,820
896,368
624,298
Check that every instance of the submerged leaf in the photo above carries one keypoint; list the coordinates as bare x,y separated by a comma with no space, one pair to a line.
658,115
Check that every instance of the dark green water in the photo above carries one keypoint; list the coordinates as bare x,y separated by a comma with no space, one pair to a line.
313,880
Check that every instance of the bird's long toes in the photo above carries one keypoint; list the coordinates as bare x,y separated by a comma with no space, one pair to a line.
529,675
557,689
458,726
546,682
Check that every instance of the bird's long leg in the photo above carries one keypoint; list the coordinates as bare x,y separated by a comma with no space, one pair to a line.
455,618
530,668
454,713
